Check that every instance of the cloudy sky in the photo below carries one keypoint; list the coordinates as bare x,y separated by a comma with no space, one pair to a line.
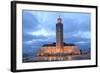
39,27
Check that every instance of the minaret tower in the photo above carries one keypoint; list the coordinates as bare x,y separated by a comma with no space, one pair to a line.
59,34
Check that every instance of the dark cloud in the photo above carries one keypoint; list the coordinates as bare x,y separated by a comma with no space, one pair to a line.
27,37
75,39
30,23
72,25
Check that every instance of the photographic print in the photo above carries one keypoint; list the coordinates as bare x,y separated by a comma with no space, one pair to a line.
47,36
56,36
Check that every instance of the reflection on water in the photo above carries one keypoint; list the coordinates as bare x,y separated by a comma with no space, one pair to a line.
57,58
54,58
69,58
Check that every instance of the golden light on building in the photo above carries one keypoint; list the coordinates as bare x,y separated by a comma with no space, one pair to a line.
58,50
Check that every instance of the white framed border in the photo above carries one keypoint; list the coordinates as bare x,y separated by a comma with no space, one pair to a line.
73,63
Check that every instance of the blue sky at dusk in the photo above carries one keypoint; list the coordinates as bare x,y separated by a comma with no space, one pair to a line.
39,27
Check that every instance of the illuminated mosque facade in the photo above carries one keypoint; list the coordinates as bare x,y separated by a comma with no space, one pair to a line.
58,50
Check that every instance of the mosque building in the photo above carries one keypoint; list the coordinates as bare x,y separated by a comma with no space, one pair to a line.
60,49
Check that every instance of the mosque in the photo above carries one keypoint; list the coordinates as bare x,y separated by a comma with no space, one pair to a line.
58,50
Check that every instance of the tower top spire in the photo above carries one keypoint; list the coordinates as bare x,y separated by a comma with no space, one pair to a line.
59,20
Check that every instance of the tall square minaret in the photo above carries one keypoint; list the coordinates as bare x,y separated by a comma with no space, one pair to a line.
59,34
